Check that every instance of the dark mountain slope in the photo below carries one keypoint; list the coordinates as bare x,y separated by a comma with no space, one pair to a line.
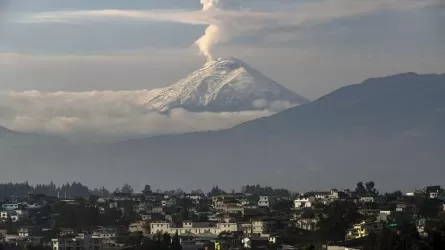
390,130
388,104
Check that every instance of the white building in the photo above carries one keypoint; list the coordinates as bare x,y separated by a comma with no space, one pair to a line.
11,214
10,206
79,242
334,194
304,201
340,248
434,195
159,227
195,228
322,196
367,199
236,209
105,233
309,224
263,228
264,201
27,231
195,197
4,214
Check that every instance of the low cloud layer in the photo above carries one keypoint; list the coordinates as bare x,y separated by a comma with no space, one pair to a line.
117,113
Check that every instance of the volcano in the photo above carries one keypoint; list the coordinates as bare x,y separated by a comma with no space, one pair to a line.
224,85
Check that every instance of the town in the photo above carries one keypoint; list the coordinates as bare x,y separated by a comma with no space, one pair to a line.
73,217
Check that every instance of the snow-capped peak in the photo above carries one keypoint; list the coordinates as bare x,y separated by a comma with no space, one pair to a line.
224,84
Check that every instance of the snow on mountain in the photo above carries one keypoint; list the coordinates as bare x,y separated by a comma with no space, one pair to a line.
224,85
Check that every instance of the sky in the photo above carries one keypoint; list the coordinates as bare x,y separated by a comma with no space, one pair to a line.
51,47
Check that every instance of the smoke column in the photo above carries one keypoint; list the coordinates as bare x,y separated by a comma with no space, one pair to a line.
209,4
213,33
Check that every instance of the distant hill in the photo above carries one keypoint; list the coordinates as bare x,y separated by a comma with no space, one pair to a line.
390,130
12,139
394,104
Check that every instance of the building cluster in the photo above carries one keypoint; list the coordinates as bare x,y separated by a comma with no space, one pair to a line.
200,220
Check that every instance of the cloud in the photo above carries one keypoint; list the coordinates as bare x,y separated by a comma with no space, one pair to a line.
225,24
108,113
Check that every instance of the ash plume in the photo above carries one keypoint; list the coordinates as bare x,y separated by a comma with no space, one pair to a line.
213,33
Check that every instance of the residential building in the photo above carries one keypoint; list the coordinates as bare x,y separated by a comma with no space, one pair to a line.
195,228
357,231
105,232
367,199
263,228
22,213
246,228
78,242
10,206
139,226
305,219
233,209
4,215
383,215
309,224
362,229
432,192
304,201
66,231
159,227
420,225
28,231
322,196
195,198
219,202
255,242
264,201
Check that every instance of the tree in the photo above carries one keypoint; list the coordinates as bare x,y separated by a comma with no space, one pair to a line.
283,205
146,190
430,208
310,247
127,189
93,198
386,239
166,241
267,191
176,243
370,188
360,189
436,234
394,196
9,225
216,191
337,218
371,242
